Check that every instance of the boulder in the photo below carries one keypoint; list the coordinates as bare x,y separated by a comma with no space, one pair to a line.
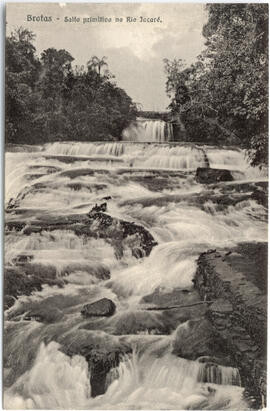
101,308
206,175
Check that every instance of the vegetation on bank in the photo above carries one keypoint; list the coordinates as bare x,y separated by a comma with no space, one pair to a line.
223,97
48,100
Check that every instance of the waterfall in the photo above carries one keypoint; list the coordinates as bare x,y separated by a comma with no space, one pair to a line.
84,149
23,169
154,131
217,374
154,186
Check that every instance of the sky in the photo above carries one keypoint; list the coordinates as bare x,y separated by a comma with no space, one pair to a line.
135,50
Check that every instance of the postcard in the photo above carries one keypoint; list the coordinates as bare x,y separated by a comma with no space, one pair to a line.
136,206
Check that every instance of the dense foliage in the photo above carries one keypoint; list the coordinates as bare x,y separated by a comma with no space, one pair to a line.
223,97
48,100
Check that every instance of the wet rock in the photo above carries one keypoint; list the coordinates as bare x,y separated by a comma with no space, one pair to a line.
98,208
139,322
240,187
119,230
96,225
260,196
219,199
80,172
83,186
237,282
102,351
137,252
101,308
185,303
198,338
156,184
205,175
9,300
16,283
100,363
48,315
22,259
22,280
174,296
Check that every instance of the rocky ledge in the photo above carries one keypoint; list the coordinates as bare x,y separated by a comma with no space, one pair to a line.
235,284
119,233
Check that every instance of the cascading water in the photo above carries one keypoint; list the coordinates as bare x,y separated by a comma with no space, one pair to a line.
152,131
153,185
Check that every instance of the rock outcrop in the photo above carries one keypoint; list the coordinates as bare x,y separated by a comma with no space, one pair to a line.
119,233
26,276
100,364
260,196
102,351
237,283
18,281
206,175
101,308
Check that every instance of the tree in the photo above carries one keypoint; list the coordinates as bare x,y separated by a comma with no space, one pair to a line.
96,64
48,100
22,71
227,87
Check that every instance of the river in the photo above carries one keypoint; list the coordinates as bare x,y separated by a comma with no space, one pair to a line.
149,184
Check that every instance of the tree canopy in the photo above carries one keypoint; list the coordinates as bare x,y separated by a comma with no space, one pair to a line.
48,100
223,96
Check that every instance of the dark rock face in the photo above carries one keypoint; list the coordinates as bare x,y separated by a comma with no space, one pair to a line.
100,363
206,175
101,308
236,282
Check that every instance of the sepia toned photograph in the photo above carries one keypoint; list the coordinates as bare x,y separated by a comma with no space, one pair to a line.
136,206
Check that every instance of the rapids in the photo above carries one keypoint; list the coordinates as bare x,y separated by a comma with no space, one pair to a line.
152,185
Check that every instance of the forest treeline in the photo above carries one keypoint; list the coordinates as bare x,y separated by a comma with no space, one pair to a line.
223,97
48,100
